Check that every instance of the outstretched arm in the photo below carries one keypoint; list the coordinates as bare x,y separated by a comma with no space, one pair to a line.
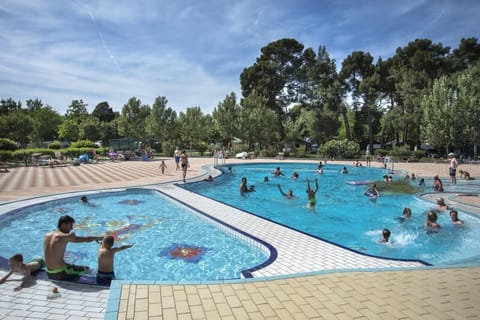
281,191
122,248
6,276
308,184
316,185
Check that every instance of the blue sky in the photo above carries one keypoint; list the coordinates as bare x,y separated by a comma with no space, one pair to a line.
193,52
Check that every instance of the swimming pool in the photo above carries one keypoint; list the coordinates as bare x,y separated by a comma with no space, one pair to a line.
343,215
171,241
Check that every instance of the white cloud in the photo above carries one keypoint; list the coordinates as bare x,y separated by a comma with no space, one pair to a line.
193,52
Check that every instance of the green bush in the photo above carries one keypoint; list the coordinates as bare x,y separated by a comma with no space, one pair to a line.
340,149
419,154
56,145
7,144
75,152
25,155
84,144
400,153
381,153
5,155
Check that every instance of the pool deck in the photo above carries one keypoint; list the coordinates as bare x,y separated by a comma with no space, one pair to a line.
294,289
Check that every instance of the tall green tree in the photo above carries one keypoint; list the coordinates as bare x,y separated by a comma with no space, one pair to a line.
274,75
104,112
33,105
468,84
443,118
132,122
467,54
414,68
193,127
19,127
69,130
8,106
162,121
358,67
46,123
77,110
226,116
257,122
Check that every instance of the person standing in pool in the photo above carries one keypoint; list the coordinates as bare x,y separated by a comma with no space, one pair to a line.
454,217
106,257
54,246
311,193
288,195
184,164
244,189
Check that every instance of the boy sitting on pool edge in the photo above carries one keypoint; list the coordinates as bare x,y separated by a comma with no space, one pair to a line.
106,256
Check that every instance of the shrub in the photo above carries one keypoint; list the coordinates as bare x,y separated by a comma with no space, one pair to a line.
381,153
84,144
5,155
419,154
7,144
340,149
56,145
402,152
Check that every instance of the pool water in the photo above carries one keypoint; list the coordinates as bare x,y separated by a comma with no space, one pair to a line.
171,242
344,215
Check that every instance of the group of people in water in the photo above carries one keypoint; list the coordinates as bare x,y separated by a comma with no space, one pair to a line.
372,192
54,244
311,191
431,224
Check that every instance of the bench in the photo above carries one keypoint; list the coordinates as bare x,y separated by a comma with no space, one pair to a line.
3,167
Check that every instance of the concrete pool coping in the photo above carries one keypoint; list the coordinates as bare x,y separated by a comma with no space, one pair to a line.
428,293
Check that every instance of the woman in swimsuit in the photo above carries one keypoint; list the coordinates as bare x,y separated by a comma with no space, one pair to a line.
311,193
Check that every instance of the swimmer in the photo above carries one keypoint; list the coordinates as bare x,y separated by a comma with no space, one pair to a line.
294,175
16,265
311,193
407,214
385,236
288,195
265,179
431,223
372,191
244,188
454,217
209,178
84,200
344,170
437,184
441,204
277,172
421,184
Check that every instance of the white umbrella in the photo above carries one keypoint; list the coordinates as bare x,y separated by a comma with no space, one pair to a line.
451,154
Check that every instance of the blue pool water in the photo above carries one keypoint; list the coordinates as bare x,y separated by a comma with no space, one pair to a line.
171,242
343,215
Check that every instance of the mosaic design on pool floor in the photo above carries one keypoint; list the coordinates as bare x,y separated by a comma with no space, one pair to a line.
184,251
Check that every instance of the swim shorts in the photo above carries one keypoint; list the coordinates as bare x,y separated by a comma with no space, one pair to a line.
67,272
105,275
452,172
40,261
312,201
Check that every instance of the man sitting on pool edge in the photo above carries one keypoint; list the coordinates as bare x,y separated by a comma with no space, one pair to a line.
54,246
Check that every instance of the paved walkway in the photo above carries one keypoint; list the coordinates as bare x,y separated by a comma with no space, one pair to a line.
429,293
